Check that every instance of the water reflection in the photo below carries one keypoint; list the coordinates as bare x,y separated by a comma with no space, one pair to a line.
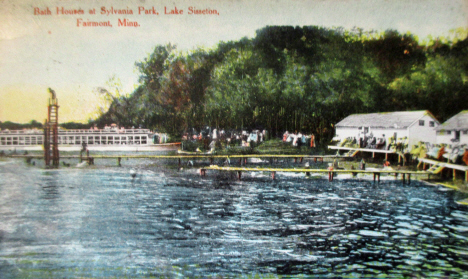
49,185
103,222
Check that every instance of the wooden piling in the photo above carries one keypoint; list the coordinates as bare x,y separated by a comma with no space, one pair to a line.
239,175
118,161
273,174
377,175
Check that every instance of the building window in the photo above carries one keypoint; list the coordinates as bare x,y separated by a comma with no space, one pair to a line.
431,123
465,132
449,132
421,122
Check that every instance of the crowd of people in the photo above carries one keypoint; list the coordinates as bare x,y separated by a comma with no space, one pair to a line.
215,138
299,139
457,154
372,142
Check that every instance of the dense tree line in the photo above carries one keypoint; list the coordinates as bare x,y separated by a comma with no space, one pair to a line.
294,78
33,124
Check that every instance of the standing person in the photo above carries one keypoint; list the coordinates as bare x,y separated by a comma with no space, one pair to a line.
299,140
312,140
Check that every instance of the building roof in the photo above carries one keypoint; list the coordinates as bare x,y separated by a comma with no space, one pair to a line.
457,122
397,119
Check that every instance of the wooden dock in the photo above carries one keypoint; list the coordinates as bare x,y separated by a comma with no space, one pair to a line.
298,158
436,167
353,151
406,175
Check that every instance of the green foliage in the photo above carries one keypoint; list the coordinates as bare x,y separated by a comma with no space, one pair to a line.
295,78
74,125
19,126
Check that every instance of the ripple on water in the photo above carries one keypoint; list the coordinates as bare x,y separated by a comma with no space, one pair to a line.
407,225
406,232
372,233
379,264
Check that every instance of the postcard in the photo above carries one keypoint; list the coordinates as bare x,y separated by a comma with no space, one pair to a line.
233,138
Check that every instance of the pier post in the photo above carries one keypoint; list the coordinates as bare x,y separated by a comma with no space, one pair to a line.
179,163
376,174
273,173
202,172
118,161
301,159
295,159
330,176
315,159
240,161
454,174
403,178
239,175
409,178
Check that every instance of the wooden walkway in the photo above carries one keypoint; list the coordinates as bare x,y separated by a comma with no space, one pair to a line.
353,151
331,172
436,167
241,157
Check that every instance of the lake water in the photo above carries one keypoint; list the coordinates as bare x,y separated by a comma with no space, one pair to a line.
99,221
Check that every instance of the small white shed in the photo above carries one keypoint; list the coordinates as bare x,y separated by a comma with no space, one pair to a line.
454,131
416,126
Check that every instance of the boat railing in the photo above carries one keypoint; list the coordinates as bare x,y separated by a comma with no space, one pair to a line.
82,131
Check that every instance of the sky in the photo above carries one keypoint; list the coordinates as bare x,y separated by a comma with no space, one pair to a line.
38,51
